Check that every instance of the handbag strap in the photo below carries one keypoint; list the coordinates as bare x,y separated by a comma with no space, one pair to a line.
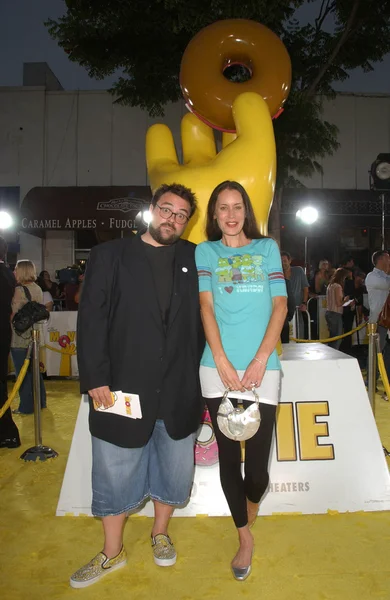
26,292
226,395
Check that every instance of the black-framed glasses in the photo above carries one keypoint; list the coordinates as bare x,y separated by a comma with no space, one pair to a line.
166,213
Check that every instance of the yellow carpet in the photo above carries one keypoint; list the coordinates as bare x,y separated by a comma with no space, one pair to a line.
322,557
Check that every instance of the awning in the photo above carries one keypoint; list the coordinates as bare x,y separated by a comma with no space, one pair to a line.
101,208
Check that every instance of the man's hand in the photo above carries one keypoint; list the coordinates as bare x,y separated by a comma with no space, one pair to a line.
248,157
303,307
101,396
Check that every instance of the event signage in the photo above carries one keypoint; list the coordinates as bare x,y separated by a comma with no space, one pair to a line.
59,348
326,456
102,208
68,223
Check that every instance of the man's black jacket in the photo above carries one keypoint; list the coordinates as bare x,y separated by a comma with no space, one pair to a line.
121,341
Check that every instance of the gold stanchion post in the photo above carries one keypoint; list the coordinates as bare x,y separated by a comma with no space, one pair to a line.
37,452
372,346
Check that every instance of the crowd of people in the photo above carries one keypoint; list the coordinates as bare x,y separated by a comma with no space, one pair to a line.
344,288
62,295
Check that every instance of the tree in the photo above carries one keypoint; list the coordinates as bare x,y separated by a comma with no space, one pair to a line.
146,40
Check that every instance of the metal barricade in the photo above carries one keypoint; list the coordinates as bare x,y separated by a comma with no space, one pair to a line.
37,452
298,322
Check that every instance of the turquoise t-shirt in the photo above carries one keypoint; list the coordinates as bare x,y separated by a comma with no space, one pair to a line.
243,282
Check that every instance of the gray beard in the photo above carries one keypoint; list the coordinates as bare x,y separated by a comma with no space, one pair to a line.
160,239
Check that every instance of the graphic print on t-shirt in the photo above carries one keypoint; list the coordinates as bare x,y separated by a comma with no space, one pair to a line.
243,271
243,282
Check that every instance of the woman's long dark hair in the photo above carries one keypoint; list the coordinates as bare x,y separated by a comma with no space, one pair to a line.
41,281
251,229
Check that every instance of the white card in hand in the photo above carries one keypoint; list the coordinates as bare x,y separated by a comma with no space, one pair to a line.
348,302
132,402
125,405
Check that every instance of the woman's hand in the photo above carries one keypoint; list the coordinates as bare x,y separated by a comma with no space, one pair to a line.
254,374
228,375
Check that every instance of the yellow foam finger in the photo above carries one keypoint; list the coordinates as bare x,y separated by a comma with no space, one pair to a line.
252,117
160,150
197,140
228,138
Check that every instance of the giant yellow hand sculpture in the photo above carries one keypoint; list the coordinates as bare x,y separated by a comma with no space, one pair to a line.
248,157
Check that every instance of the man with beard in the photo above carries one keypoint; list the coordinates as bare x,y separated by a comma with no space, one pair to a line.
139,332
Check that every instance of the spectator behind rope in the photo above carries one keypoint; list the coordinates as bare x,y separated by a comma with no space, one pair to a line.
25,275
335,299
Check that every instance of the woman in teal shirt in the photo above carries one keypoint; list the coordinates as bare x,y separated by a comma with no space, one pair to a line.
243,304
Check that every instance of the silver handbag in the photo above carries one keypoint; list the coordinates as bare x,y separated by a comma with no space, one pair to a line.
236,423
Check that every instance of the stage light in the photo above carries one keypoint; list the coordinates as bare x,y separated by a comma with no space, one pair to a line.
380,182
6,221
380,173
146,216
307,215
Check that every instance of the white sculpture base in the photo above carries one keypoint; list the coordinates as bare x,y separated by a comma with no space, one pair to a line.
327,454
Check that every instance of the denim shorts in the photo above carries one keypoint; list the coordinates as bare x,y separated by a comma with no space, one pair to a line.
122,478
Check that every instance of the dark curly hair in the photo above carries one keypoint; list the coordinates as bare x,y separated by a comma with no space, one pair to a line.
179,190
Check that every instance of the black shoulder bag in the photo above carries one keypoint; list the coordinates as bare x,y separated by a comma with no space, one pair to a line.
29,314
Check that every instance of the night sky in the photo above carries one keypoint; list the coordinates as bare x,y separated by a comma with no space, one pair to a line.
24,38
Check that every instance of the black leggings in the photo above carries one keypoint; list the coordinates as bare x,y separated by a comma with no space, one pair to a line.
257,451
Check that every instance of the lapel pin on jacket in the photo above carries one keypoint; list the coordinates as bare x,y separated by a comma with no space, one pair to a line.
184,269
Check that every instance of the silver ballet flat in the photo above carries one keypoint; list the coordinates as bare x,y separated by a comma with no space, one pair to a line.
241,573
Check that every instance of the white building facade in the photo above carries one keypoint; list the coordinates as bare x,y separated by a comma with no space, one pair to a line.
63,139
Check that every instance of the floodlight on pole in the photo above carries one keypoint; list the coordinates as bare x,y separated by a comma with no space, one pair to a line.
142,219
380,182
6,221
380,173
308,215
146,216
